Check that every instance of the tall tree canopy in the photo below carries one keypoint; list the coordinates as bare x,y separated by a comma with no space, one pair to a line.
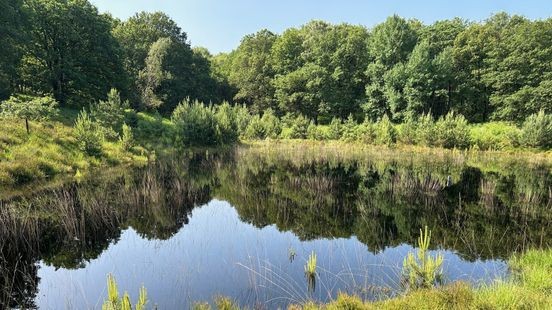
12,38
497,69
251,70
72,53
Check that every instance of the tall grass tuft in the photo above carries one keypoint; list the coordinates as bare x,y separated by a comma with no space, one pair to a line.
113,302
424,270
310,267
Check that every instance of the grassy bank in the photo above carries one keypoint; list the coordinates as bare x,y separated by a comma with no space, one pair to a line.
51,151
529,287
54,148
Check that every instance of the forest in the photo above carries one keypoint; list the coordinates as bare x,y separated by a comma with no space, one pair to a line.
496,70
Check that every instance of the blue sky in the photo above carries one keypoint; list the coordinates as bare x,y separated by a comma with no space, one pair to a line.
220,25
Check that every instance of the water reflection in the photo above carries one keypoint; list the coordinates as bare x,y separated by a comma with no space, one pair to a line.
358,213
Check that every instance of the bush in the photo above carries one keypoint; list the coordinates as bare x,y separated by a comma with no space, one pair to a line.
336,129
537,131
271,124
88,135
385,132
226,121
127,138
366,132
407,132
319,132
494,136
29,108
425,130
255,128
452,131
297,129
264,127
242,119
131,118
150,125
110,114
349,129
195,124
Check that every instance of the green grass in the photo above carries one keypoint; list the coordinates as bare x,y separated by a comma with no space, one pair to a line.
310,266
530,287
51,151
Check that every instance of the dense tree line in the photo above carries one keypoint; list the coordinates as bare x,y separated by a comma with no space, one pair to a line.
496,70
499,69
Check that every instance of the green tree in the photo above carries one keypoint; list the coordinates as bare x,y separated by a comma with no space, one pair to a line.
252,72
537,131
88,134
151,77
12,39
72,52
29,108
389,47
392,41
109,114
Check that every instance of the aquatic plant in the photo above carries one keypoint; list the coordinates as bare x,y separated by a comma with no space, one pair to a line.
291,254
225,303
310,267
424,270
113,302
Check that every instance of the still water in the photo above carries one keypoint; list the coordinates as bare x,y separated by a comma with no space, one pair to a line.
242,224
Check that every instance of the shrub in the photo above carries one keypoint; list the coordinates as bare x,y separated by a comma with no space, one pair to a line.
242,119
115,302
297,129
89,137
422,270
195,124
452,131
127,138
494,136
537,131
131,118
385,132
109,114
425,130
226,121
336,129
150,125
318,132
271,124
407,132
349,129
366,132
255,128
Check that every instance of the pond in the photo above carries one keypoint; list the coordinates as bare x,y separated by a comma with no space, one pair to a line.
242,223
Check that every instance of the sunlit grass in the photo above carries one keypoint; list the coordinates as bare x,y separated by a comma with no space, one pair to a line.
114,302
51,150
528,288
310,266
422,271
